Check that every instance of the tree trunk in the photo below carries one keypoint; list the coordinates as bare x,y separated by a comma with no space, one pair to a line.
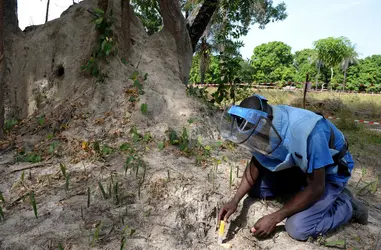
317,78
11,22
345,79
47,11
203,60
175,25
126,20
201,21
2,69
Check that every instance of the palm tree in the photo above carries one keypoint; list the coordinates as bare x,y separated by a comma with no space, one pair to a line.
315,59
350,57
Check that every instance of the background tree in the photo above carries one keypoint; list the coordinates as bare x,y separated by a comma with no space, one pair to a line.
350,57
330,51
149,13
273,62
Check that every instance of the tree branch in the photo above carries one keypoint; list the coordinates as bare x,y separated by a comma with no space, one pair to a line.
201,21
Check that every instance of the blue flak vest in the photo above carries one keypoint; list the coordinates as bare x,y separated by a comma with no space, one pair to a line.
294,126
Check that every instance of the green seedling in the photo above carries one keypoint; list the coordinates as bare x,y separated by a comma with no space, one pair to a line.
60,246
125,147
41,121
96,234
22,178
52,147
102,190
110,189
147,137
116,188
106,150
144,108
127,163
67,180
160,145
124,61
122,243
2,213
33,201
65,175
2,197
88,197
63,170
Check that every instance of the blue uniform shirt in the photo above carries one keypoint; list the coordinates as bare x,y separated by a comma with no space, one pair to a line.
318,152
318,149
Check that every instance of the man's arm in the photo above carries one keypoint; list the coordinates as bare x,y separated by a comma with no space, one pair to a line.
248,179
301,201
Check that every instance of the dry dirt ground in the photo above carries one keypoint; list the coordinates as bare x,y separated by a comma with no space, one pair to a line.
167,202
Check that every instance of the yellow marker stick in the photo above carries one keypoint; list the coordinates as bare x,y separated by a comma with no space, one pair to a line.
221,232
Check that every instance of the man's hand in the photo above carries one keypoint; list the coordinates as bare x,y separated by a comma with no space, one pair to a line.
265,225
227,210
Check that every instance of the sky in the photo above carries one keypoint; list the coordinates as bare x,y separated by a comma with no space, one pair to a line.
311,20
307,21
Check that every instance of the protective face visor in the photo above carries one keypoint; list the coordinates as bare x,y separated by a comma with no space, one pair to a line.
250,128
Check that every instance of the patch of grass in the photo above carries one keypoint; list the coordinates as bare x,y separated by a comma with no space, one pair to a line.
31,157
9,125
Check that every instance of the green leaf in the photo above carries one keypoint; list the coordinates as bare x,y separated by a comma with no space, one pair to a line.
106,150
134,75
132,99
143,108
41,121
135,137
103,45
22,176
160,145
99,20
191,120
125,146
63,170
99,11
124,61
102,190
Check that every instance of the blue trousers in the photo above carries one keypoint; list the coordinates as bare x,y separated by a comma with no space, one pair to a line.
332,210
